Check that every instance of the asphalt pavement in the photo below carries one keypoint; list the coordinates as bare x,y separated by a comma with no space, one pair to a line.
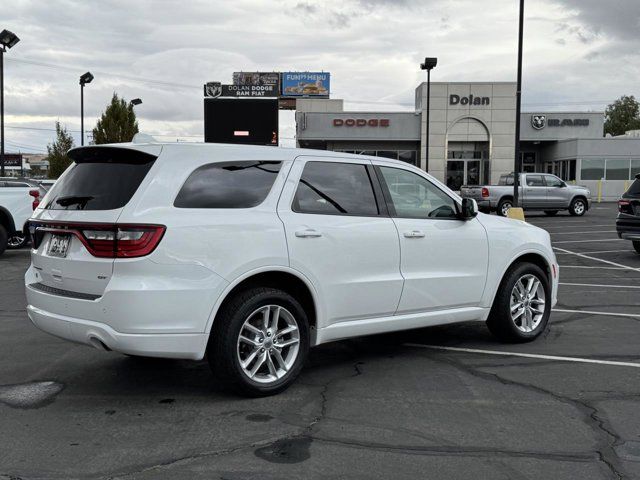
440,403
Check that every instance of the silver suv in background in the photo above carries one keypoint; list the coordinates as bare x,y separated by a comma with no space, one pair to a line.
538,191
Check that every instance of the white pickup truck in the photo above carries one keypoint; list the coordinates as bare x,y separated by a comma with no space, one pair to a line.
538,191
18,199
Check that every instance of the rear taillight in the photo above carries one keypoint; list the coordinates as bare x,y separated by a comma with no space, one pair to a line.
110,240
624,206
36,198
485,192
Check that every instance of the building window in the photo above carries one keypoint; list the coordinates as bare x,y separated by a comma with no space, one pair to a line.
617,169
592,169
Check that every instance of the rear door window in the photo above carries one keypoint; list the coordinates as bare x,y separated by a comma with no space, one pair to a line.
333,188
535,181
102,178
240,184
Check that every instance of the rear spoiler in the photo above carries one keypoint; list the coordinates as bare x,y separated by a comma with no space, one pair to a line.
96,154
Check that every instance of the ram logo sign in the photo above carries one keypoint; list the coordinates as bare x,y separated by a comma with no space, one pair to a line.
538,121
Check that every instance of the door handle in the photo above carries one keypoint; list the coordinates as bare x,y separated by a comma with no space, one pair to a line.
414,234
308,233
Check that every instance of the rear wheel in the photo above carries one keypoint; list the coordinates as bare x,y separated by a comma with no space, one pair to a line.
259,342
522,306
3,239
551,213
578,207
17,241
504,206
636,245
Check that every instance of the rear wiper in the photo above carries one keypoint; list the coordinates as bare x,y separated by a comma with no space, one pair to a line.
73,200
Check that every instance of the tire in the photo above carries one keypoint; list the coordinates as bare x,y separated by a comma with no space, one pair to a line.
551,213
17,241
500,321
504,205
636,245
225,349
3,239
578,207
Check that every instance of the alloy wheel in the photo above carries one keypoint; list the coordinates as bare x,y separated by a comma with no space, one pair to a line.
527,303
578,207
268,344
15,241
505,208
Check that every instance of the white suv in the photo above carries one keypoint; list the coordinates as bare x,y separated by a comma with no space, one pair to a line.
251,255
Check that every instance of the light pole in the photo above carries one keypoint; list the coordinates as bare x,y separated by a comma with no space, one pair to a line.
516,161
84,79
428,65
135,101
7,40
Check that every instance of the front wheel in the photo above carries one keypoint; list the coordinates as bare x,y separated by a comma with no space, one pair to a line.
259,342
522,306
578,207
636,245
504,206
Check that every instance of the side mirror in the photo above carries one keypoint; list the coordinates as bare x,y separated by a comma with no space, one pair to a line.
563,185
469,209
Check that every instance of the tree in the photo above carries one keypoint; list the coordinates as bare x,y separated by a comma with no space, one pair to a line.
57,152
117,124
622,115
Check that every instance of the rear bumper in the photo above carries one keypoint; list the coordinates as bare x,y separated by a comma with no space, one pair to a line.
628,227
188,345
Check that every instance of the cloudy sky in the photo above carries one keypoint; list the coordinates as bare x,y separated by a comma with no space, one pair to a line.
578,55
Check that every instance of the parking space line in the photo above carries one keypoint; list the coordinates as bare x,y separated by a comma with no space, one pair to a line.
596,240
588,266
563,227
526,355
598,251
591,312
599,260
598,285
577,233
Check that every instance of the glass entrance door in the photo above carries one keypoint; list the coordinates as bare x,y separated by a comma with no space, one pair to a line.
455,174
466,172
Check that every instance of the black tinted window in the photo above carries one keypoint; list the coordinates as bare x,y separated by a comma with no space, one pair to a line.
634,189
102,178
228,185
335,188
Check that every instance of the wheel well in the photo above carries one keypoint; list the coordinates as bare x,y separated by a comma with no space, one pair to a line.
506,197
282,281
536,259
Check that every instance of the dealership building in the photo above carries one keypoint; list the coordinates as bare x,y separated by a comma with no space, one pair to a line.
471,132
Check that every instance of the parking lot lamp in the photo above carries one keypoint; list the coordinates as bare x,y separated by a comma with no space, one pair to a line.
135,101
84,79
516,162
7,40
428,65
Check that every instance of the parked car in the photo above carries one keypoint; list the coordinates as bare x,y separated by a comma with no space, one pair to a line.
18,199
628,221
252,255
538,191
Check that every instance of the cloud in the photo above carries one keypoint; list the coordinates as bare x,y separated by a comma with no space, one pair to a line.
373,49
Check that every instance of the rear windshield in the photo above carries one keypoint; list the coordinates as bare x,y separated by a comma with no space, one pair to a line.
634,189
505,180
101,179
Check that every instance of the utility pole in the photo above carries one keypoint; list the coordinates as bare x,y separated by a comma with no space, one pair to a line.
516,161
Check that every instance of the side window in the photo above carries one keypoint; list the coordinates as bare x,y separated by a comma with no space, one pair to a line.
535,181
242,184
16,184
335,189
414,196
552,181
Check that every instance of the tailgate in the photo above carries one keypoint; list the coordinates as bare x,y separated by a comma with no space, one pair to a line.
471,192
73,231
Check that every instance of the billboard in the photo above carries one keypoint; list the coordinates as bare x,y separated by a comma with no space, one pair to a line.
256,78
241,121
13,160
216,89
306,84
